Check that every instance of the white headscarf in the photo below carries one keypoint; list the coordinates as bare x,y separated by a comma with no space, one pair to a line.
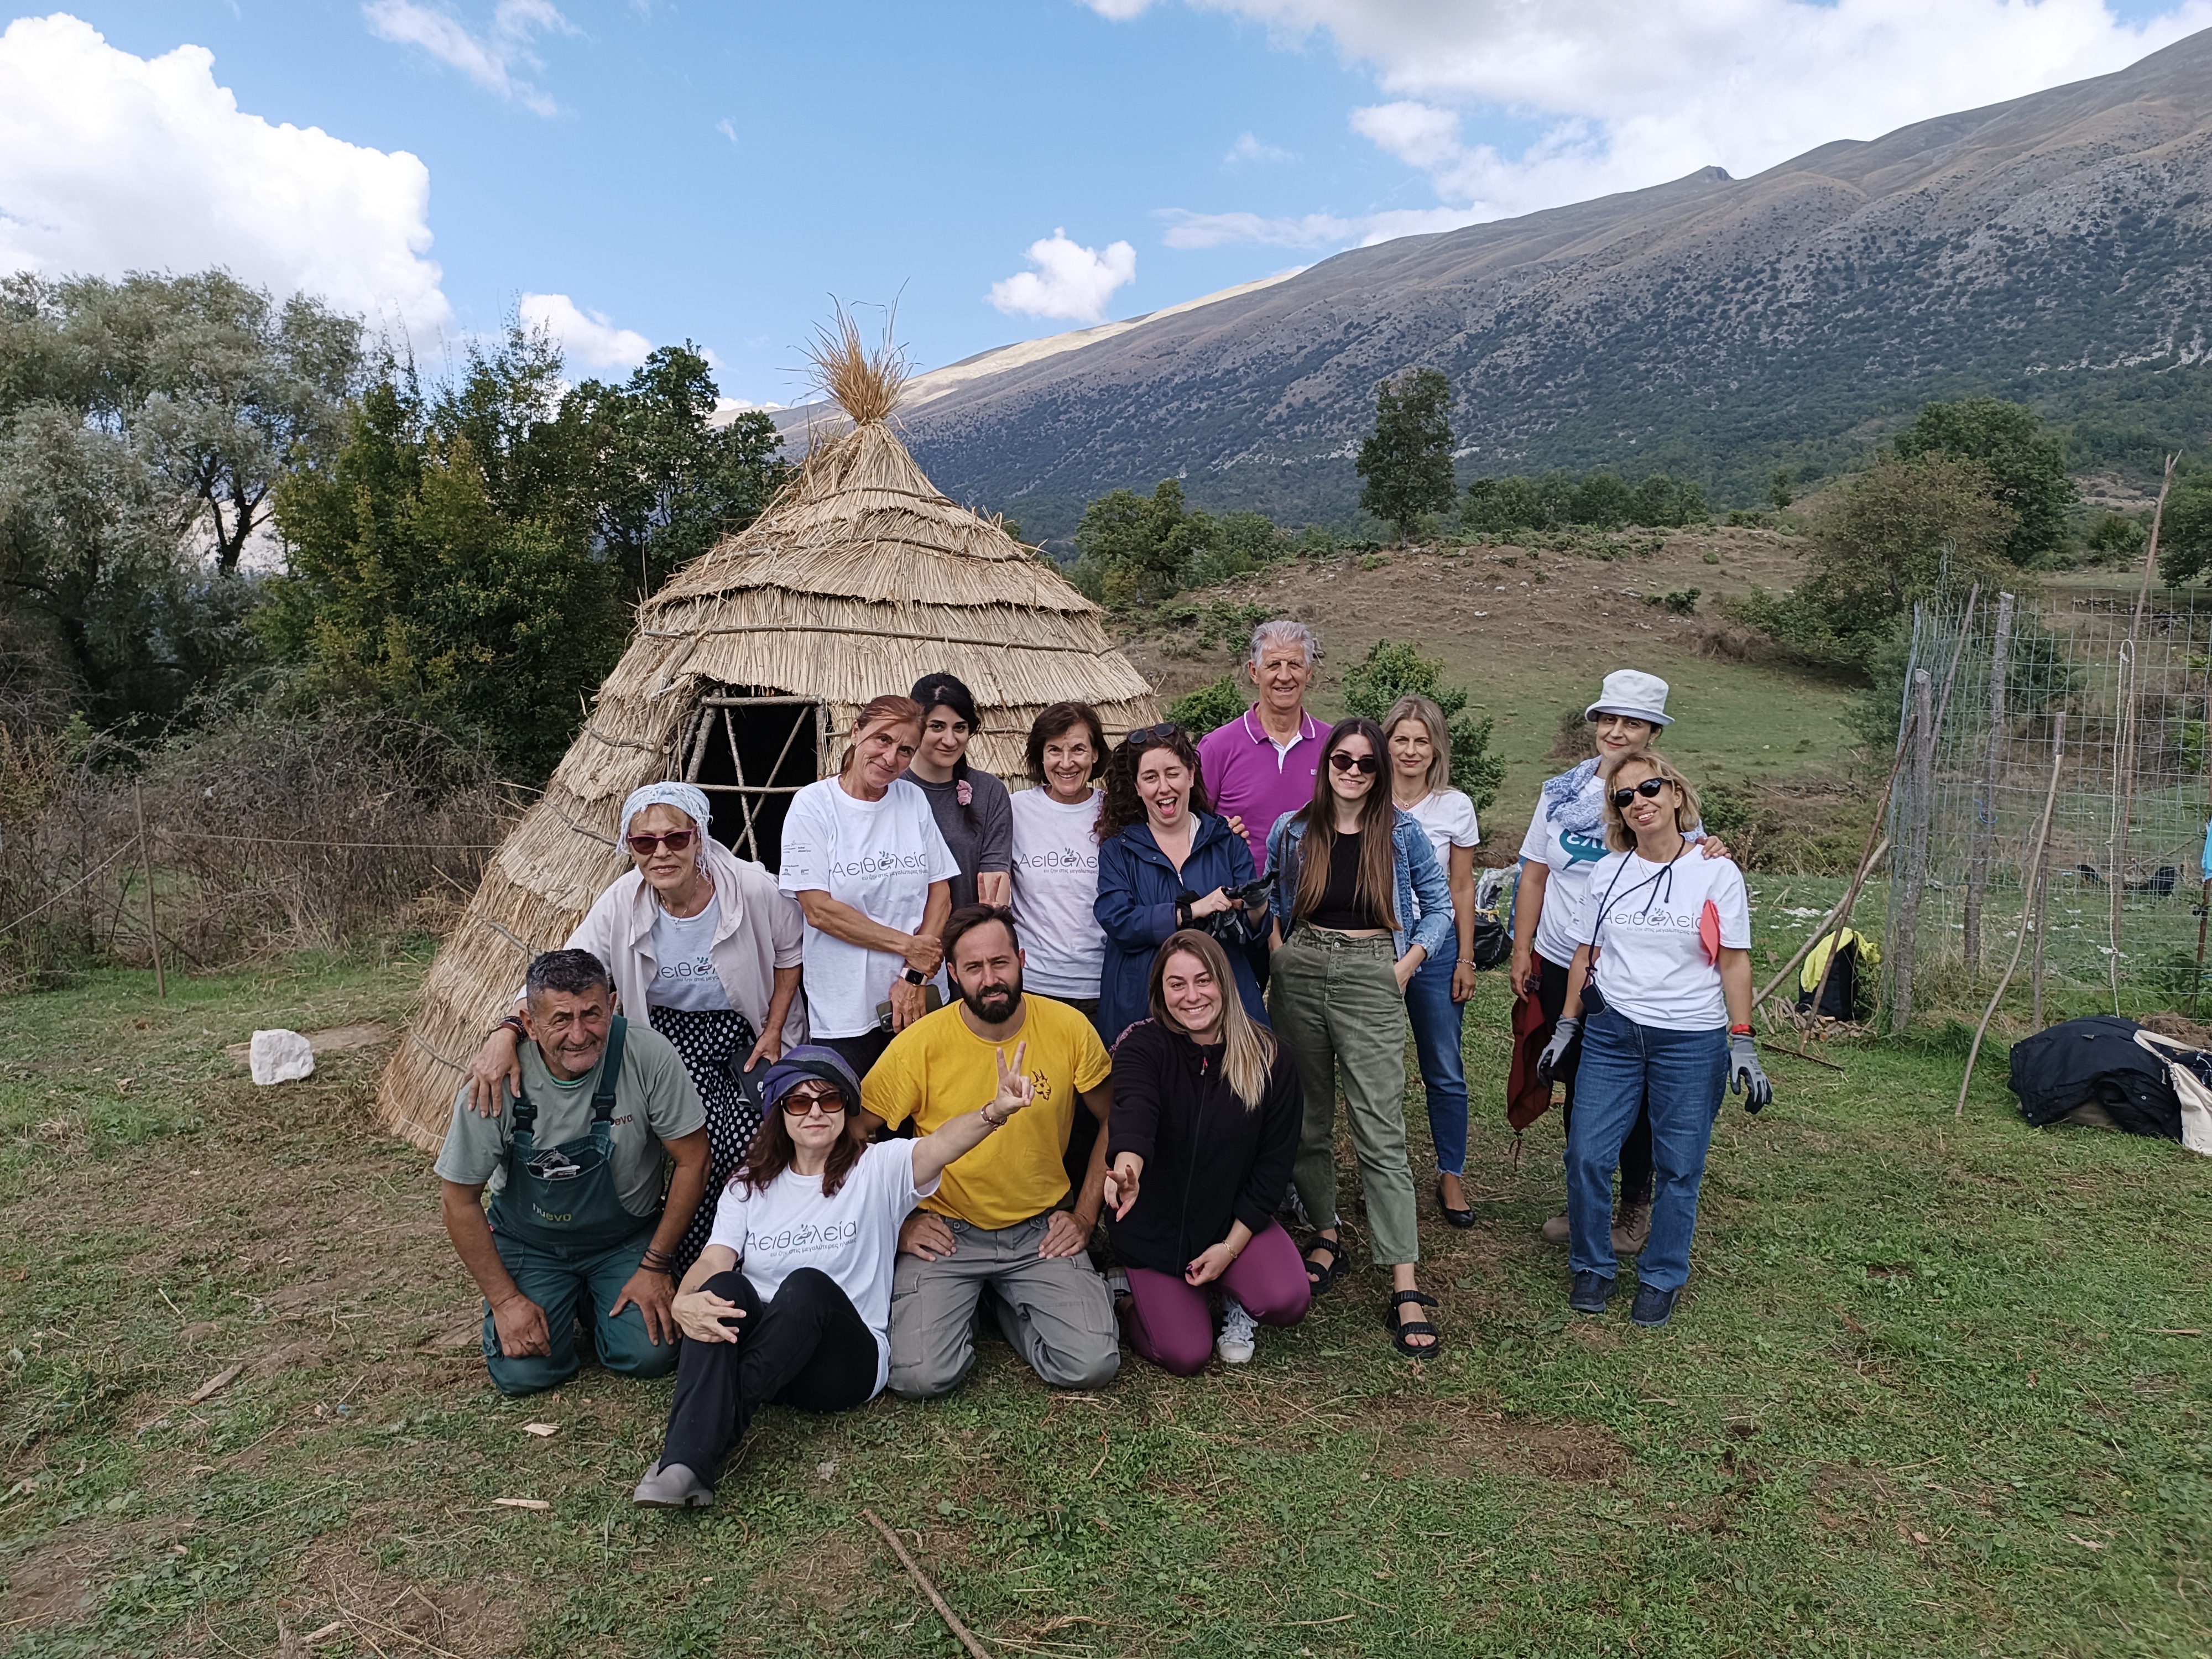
686,798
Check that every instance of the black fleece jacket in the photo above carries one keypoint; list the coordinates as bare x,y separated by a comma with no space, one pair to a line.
1208,1160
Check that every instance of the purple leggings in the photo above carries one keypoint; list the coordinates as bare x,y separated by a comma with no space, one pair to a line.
1170,1324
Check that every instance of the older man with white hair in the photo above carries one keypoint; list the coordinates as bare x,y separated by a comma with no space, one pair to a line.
1263,765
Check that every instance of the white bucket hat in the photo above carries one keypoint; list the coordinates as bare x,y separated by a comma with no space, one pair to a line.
1640,696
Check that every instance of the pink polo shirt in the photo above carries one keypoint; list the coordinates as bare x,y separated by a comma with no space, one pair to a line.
1248,777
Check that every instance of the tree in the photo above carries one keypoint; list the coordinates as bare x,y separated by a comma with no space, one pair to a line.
1777,491
665,482
1904,530
1133,548
2026,463
1498,506
444,562
2184,532
1199,711
1407,459
1661,503
1390,672
1600,500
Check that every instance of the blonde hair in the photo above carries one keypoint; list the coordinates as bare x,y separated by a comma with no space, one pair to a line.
1248,1047
1618,836
1415,707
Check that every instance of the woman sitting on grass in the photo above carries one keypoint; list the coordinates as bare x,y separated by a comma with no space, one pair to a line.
791,1300
1207,1111
1660,993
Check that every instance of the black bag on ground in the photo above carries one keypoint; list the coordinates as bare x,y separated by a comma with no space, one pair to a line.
2094,1071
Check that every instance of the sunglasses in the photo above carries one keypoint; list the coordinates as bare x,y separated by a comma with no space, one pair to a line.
675,841
1149,736
826,1101
1365,764
1648,789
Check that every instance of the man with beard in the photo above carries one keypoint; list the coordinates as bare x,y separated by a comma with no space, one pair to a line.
996,1225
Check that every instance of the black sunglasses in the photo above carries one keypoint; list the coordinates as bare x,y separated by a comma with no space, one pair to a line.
1648,789
1147,737
1366,763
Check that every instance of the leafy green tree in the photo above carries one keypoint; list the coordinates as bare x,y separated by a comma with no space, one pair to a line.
1600,500
1199,711
444,565
2117,536
665,482
1390,672
1555,500
1777,491
1498,506
2026,464
1902,531
1133,548
1407,459
1661,503
2184,532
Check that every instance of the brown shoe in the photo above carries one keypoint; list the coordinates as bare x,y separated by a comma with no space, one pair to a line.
1632,1228
1555,1230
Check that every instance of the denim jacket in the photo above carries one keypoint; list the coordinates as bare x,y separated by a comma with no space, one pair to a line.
1419,874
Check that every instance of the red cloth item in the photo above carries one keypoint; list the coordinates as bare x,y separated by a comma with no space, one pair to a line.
1709,931
1526,1099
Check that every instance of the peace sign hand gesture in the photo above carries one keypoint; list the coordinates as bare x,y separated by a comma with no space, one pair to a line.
1015,1090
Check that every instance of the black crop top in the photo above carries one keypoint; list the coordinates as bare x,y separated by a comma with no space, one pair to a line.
1340,907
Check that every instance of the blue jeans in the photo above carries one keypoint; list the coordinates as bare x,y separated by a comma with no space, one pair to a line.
1625,1067
1436,1021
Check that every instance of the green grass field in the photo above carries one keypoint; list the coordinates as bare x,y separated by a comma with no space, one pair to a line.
1937,1387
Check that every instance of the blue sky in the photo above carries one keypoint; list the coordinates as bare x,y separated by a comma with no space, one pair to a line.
654,172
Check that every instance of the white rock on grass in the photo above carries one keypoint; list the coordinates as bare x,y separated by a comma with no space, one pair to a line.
280,1057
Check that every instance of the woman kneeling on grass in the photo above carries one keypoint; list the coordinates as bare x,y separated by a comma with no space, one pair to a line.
1660,992
1206,1112
791,1300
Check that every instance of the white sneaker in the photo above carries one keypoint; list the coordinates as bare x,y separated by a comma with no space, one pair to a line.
1239,1333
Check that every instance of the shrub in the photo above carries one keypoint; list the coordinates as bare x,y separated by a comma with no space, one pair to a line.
1390,672
1199,711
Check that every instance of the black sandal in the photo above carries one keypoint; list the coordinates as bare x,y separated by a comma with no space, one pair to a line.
1400,1332
1455,1218
1319,1278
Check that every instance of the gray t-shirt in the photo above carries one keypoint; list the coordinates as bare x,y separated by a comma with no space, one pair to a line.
655,1101
980,834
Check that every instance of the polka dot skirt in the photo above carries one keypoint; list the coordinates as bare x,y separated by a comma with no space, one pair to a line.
712,1044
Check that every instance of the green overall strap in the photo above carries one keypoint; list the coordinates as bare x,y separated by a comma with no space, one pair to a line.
609,1080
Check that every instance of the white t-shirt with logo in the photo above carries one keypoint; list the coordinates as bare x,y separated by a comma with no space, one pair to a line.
1570,857
853,1237
683,974
879,857
1056,892
1447,817
1652,961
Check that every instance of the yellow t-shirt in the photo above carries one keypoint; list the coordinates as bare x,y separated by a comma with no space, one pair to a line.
937,1070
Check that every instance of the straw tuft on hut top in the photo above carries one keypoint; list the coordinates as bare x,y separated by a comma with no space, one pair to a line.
744,676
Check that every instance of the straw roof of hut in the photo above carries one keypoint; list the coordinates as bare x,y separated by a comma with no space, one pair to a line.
860,578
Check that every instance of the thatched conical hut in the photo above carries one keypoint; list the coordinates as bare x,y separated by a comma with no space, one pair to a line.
744,676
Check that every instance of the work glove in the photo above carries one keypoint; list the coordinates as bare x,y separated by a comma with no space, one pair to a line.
1562,1038
1745,1076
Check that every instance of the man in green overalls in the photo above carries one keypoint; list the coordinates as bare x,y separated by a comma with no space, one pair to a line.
578,1229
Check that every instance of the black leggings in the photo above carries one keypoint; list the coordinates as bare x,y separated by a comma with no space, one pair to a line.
808,1349
1636,1150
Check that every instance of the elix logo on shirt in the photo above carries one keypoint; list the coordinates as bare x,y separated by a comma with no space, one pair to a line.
1581,849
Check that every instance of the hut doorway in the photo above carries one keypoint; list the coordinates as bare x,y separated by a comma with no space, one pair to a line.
752,749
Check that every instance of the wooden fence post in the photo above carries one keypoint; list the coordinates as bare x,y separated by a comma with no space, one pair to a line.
1985,815
146,866
1920,806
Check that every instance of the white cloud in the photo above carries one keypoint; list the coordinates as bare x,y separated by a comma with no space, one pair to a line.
1632,92
587,339
490,59
1069,281
111,163
1247,149
727,128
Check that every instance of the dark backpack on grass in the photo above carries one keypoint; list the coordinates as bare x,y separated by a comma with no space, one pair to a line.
2094,1071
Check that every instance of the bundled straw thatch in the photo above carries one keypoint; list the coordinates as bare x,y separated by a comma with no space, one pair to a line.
857,580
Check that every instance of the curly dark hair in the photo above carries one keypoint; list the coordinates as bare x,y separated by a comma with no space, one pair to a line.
1057,721
1121,807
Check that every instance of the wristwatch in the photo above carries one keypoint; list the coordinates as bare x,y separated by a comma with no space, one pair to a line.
913,978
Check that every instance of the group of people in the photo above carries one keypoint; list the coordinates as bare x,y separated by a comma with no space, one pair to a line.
789,1135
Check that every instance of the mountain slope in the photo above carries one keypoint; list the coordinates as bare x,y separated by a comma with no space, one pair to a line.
2057,247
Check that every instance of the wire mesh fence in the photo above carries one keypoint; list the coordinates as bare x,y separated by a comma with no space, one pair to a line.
1991,683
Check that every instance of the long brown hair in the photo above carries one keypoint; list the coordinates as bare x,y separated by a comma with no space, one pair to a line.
1247,1047
891,708
1122,806
1377,890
